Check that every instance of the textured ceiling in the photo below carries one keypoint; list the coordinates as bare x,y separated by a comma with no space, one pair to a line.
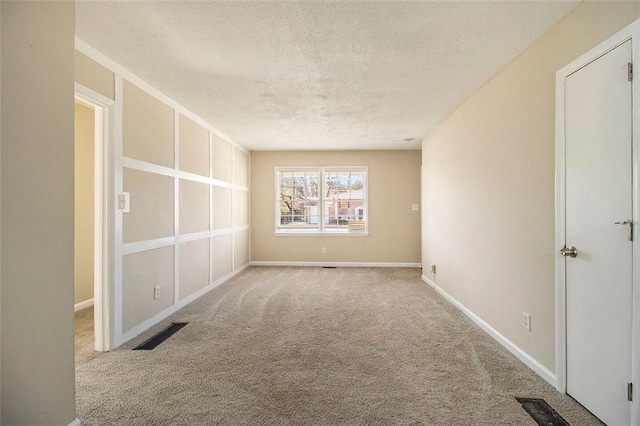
317,75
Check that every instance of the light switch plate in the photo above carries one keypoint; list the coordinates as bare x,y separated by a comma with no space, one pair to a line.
124,202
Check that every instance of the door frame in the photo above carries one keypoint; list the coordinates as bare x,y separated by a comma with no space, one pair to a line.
104,208
631,32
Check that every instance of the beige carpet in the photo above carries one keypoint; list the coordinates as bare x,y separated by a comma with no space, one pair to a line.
84,340
313,346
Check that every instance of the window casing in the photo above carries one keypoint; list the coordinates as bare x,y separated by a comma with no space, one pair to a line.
321,200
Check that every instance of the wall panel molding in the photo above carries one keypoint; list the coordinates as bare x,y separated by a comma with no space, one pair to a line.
238,180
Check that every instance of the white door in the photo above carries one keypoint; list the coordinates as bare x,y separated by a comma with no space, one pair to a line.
598,195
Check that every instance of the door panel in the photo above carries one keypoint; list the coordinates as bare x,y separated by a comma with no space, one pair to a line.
598,194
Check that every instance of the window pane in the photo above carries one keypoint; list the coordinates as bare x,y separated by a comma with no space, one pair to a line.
344,199
298,198
324,199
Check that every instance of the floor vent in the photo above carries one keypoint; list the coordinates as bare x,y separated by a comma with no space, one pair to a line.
328,267
542,412
160,337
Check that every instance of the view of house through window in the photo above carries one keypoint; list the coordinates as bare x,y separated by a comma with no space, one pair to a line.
328,200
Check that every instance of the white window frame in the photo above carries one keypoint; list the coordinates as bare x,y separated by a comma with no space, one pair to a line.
321,228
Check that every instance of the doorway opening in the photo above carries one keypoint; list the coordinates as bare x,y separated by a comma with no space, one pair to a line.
91,242
84,278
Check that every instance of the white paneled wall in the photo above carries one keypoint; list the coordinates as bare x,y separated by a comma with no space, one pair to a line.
188,225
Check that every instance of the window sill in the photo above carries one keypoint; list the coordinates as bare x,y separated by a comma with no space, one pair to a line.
318,233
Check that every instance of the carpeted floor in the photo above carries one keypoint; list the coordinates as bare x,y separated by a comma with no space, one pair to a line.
314,346
84,340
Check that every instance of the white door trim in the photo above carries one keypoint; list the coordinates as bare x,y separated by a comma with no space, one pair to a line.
104,217
631,32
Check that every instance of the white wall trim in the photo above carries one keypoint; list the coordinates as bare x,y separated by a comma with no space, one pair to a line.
118,217
224,231
177,208
222,183
337,264
249,221
76,422
145,325
92,95
82,305
194,177
145,245
185,238
233,216
211,207
140,246
631,32
238,187
143,166
527,359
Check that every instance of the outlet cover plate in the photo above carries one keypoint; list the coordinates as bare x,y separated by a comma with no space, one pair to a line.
526,321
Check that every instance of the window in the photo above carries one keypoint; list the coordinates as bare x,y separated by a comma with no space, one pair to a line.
328,200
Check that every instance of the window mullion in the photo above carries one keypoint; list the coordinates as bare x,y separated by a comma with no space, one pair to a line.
321,199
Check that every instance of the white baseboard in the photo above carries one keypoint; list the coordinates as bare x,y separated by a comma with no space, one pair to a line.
527,359
80,306
76,422
144,326
337,264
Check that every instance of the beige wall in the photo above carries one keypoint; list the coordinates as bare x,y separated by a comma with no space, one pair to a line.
91,74
147,127
241,252
488,185
394,229
194,206
37,213
194,266
241,167
194,147
221,256
222,160
151,213
222,207
84,203
141,272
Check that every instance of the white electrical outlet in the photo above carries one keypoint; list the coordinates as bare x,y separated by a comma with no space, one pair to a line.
156,292
324,250
526,321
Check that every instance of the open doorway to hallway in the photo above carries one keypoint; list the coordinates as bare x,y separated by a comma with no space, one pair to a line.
93,227
84,230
